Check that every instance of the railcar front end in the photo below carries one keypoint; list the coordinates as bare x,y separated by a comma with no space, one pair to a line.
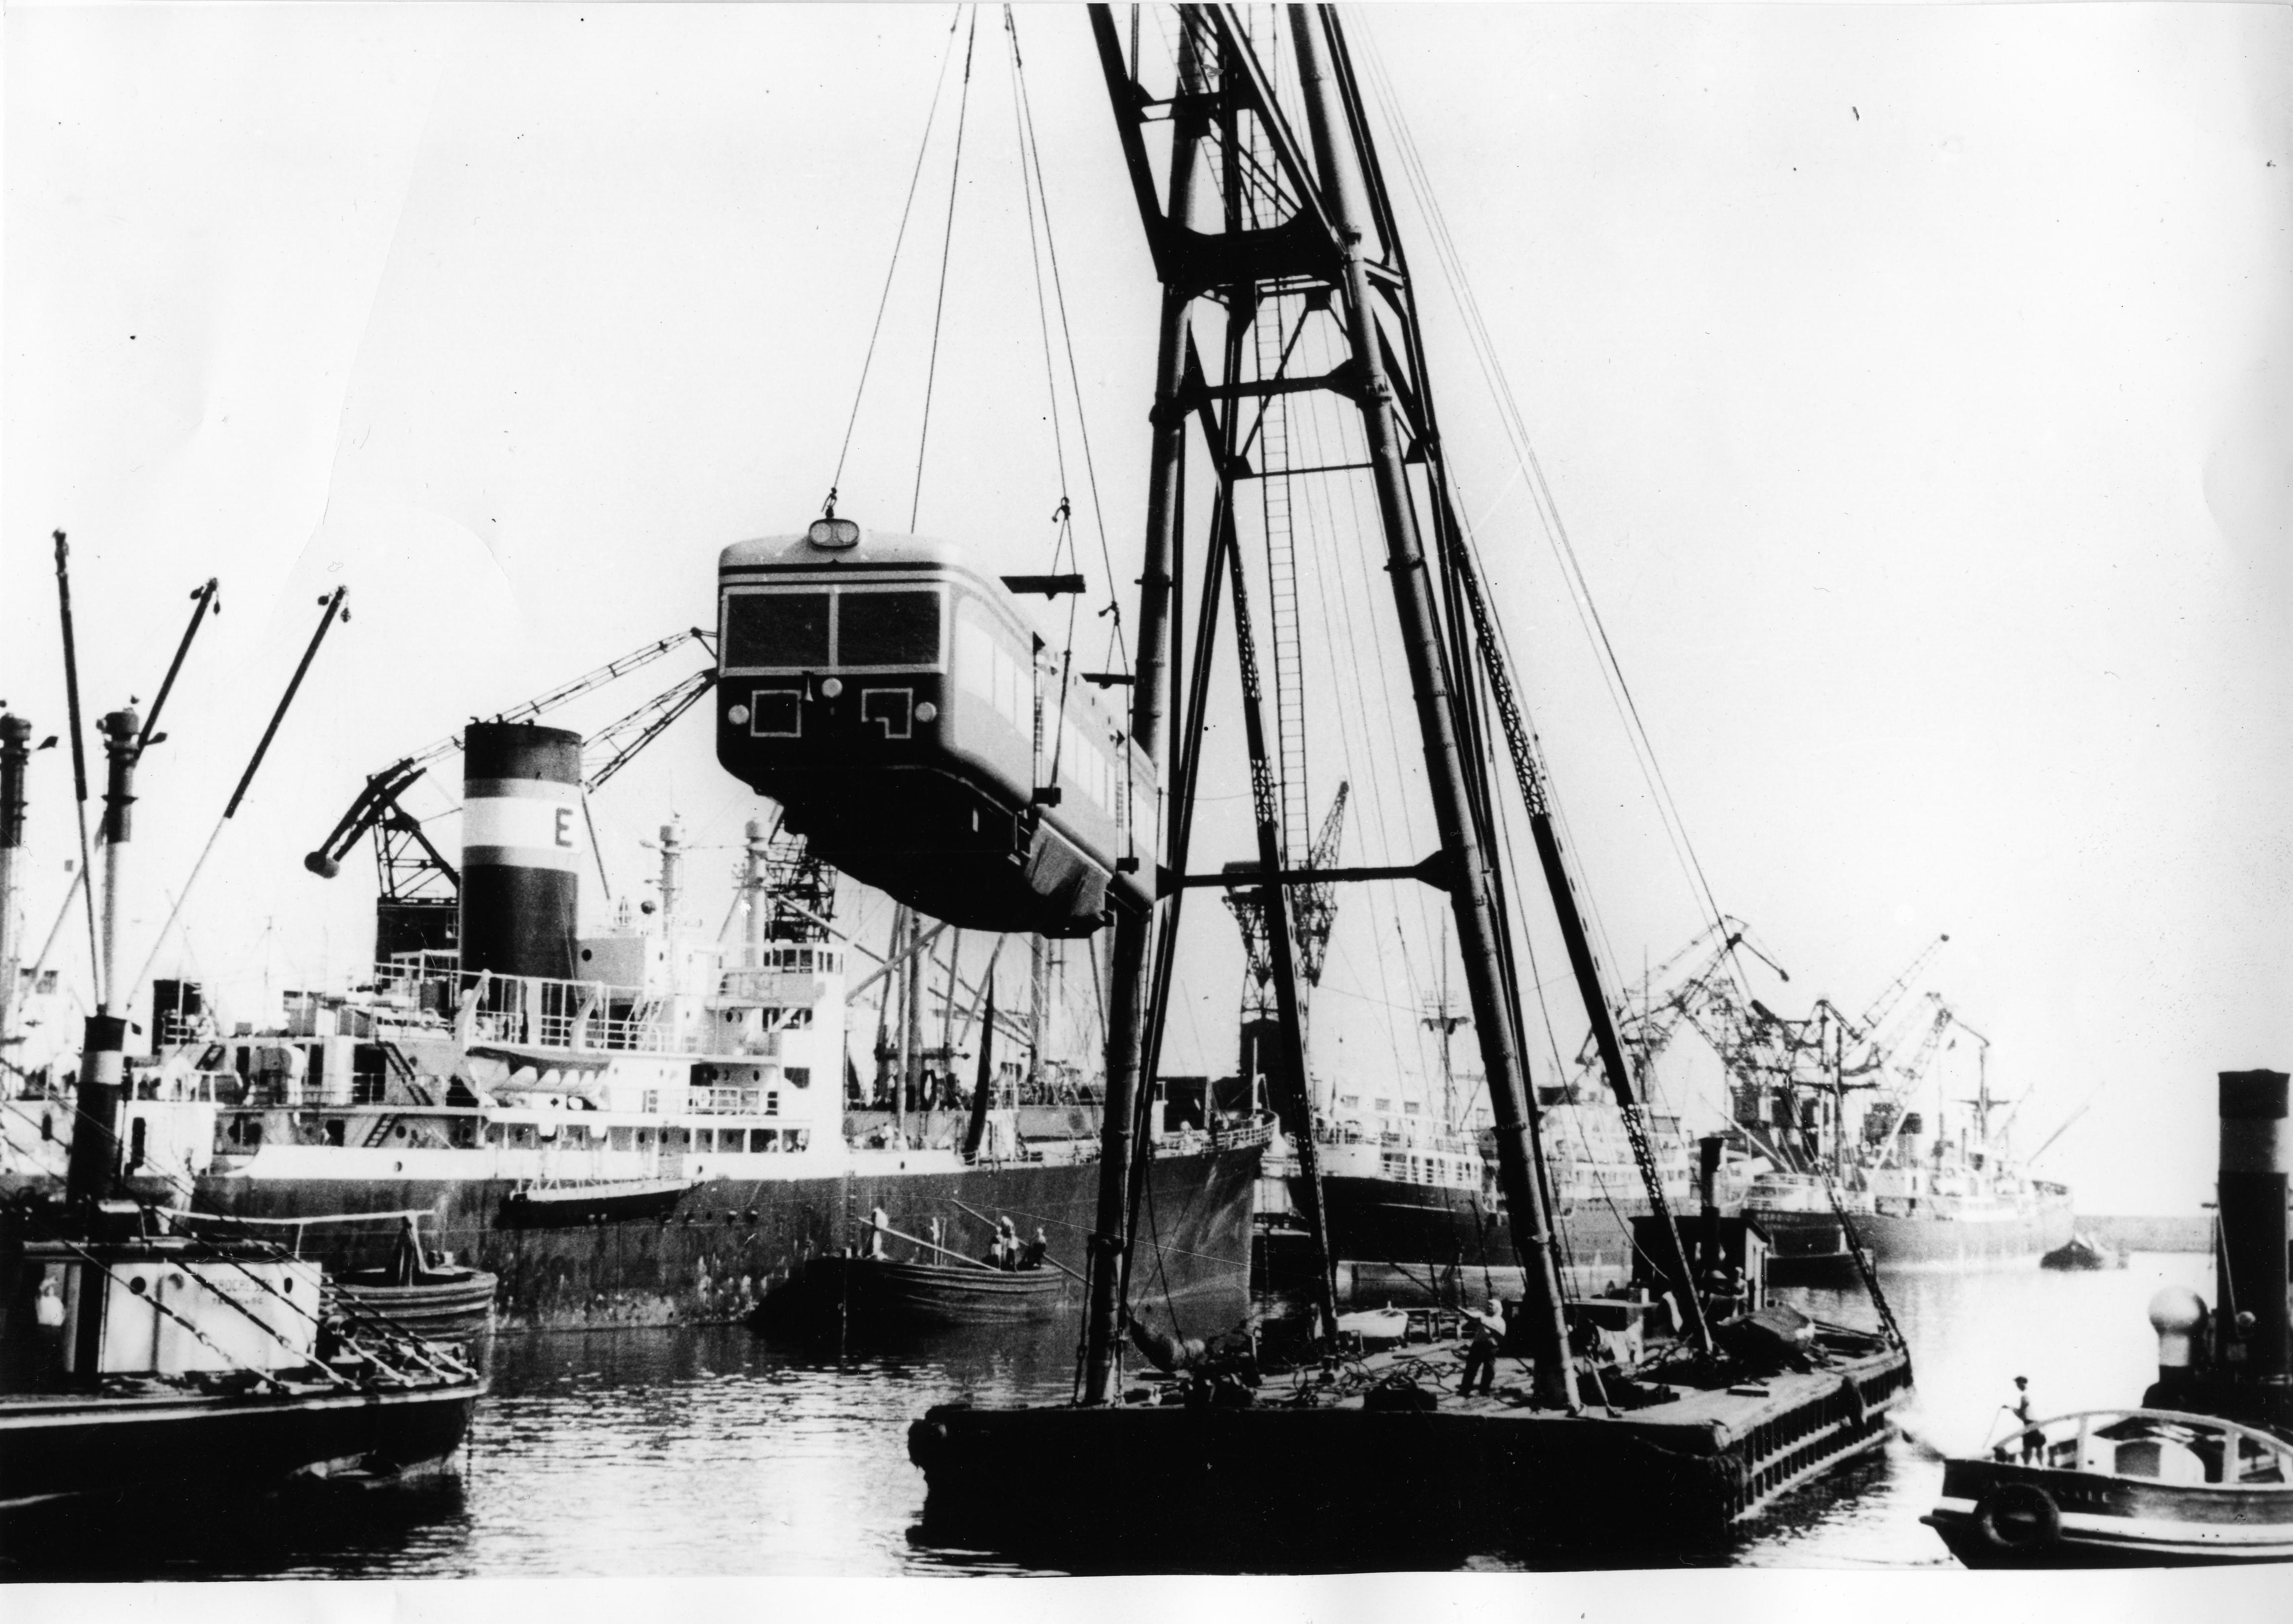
911,725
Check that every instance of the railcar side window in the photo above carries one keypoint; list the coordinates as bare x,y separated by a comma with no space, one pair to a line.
887,628
763,630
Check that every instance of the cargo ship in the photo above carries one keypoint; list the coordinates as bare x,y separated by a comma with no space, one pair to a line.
639,1126
1929,1217
1415,1211
1916,1198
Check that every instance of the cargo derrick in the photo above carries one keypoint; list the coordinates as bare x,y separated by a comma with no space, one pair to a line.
1315,916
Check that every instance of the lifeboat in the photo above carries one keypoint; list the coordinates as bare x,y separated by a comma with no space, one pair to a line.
913,728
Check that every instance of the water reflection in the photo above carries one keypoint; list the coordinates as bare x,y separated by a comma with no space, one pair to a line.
712,1452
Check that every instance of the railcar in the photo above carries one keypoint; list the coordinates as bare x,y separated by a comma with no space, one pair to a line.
915,728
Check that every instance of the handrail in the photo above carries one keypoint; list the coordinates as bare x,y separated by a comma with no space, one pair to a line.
2180,1418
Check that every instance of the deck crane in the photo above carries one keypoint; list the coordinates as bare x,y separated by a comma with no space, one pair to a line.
1912,1072
418,891
1317,912
1649,1025
1314,906
1890,995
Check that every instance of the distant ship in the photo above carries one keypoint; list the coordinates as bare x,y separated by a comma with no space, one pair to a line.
1950,1203
1920,1191
1415,1211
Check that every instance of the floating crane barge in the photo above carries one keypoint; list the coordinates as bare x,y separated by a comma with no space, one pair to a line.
1688,1401
1350,1476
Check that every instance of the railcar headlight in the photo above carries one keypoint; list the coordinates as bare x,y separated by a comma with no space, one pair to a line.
832,686
834,534
927,711
738,716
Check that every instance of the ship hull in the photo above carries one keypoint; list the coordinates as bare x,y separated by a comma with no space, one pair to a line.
56,1448
715,1251
1413,1243
1806,1244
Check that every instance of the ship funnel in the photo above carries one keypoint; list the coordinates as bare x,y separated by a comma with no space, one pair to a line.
2250,1265
521,849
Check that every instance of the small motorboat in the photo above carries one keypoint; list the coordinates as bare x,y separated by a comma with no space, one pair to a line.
2108,1487
2080,1253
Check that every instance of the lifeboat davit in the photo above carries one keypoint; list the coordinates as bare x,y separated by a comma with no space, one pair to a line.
911,725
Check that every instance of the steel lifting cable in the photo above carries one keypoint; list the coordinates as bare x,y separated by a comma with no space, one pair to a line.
884,300
1035,157
1062,516
1043,305
946,247
1528,464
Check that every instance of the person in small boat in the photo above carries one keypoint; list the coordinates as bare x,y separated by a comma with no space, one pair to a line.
1031,1255
1480,1354
2032,1439
1005,1253
879,1221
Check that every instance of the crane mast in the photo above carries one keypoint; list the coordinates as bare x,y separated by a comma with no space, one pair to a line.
1283,274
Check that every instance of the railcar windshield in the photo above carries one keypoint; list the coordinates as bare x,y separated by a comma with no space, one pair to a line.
766,630
887,628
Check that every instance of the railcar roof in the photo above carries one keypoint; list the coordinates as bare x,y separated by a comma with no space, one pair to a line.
877,547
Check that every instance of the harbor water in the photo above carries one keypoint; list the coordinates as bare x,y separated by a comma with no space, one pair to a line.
710,1452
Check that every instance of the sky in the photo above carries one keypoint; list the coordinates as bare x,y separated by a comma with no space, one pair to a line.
1913,383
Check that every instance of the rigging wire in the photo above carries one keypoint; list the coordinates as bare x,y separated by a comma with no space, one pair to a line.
946,246
1468,304
1035,157
1043,305
884,300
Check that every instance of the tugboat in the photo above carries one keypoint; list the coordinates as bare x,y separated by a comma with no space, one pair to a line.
2202,1472
135,1359
2131,1488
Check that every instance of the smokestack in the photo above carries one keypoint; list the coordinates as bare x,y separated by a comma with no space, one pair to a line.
2256,1155
119,730
15,751
95,1135
521,849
